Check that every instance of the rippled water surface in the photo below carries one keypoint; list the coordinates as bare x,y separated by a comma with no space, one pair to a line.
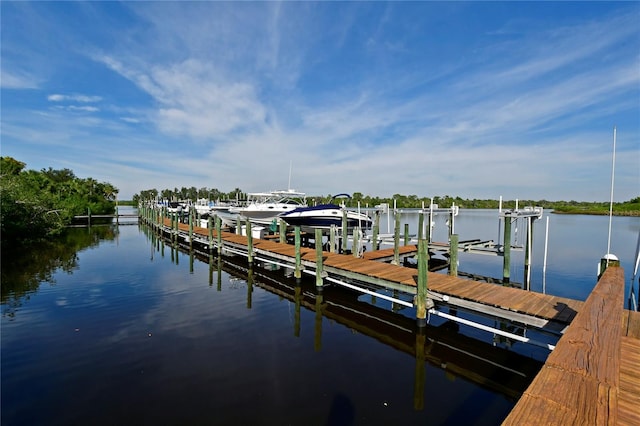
125,330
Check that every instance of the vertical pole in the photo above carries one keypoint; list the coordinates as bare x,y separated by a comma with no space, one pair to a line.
376,230
396,240
219,234
298,271
89,217
355,246
191,220
332,238
527,254
345,231
283,231
319,270
249,242
420,225
210,230
453,255
506,250
421,296
406,234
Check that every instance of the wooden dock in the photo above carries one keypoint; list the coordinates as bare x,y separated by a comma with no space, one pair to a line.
593,374
591,377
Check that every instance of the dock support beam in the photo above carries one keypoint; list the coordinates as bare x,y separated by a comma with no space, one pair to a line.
506,251
283,231
345,232
319,269
453,255
249,242
376,230
421,296
396,240
297,273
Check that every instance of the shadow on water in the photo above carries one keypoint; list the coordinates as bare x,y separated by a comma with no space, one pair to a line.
342,411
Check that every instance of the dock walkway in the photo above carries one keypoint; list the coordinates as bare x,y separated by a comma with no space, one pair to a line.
535,309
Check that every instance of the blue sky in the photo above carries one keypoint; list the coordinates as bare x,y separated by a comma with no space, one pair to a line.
477,100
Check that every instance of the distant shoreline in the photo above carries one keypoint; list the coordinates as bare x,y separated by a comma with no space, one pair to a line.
631,213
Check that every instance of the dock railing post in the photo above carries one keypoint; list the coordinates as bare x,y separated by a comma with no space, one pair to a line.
191,220
283,231
297,273
332,238
210,229
249,241
319,269
506,250
89,217
355,246
396,240
420,225
406,234
453,255
376,230
345,231
219,234
421,296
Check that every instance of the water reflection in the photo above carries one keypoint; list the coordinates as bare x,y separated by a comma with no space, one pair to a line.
495,368
25,269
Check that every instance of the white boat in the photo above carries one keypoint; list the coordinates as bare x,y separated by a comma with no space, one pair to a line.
203,207
265,207
323,216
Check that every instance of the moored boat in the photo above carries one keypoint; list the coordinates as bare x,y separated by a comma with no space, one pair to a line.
323,216
265,207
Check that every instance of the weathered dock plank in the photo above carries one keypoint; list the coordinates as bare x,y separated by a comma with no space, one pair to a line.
579,382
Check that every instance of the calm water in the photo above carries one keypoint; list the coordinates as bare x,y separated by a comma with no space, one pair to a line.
111,326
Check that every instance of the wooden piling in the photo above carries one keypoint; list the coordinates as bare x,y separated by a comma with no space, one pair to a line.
376,230
332,239
219,235
406,234
297,273
421,296
319,269
249,241
420,225
396,240
345,232
283,231
453,255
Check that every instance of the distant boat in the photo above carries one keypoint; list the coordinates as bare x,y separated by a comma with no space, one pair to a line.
265,207
323,216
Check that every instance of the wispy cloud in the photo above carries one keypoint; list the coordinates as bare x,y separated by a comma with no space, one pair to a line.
18,80
74,98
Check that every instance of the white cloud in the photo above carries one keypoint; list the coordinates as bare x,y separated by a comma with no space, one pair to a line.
74,98
18,80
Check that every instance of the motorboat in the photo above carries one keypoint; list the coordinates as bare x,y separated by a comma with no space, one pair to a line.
265,207
323,216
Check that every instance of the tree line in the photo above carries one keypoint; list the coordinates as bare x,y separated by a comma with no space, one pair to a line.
631,207
36,204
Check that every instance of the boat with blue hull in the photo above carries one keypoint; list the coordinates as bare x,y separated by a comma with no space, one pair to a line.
323,216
